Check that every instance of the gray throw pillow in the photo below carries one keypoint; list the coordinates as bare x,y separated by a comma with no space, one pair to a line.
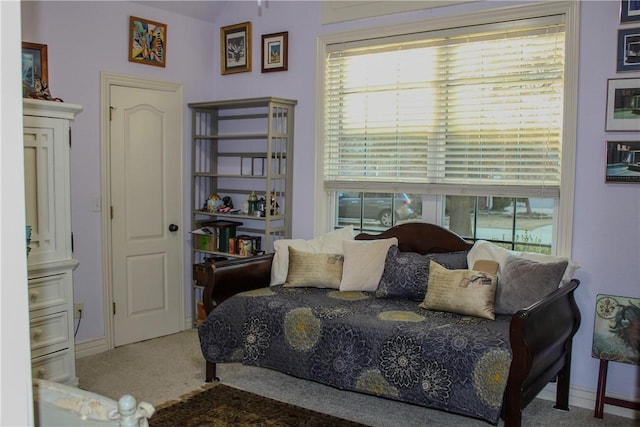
451,260
406,274
523,282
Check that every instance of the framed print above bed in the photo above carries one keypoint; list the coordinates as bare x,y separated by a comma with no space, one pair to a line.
628,50
623,162
623,105
629,11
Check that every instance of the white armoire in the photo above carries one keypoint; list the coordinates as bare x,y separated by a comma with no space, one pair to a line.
47,141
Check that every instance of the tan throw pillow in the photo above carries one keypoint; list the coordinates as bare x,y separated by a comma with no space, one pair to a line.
466,292
330,243
308,269
364,263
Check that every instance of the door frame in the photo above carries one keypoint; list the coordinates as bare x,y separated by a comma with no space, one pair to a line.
106,81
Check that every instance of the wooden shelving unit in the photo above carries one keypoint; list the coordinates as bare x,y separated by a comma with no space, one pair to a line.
239,147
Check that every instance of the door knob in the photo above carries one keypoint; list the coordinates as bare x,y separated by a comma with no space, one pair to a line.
173,227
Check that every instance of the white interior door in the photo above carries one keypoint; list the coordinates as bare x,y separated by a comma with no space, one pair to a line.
146,202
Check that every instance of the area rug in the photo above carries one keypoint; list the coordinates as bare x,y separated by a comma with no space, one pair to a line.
221,405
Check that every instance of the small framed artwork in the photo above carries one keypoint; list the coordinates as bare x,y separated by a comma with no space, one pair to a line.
612,332
623,161
275,52
629,11
235,48
147,42
629,50
34,66
623,105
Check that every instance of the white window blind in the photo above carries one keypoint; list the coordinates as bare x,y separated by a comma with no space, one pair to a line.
474,111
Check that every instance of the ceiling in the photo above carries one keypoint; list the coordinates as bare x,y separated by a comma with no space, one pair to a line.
203,10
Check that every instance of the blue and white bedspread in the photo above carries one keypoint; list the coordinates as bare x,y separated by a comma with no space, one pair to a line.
355,341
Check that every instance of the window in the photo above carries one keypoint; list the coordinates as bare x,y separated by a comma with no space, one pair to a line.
522,224
467,119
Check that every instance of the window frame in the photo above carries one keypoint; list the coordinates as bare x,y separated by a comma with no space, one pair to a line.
563,230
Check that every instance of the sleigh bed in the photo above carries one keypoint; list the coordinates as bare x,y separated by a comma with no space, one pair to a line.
392,347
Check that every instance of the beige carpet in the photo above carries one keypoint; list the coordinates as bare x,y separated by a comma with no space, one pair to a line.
165,368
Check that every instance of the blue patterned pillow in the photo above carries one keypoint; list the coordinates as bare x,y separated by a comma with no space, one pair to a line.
406,274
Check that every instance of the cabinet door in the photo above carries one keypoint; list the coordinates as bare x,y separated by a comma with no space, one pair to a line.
46,157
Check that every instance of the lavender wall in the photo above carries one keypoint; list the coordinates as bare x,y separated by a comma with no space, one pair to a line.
85,38
606,228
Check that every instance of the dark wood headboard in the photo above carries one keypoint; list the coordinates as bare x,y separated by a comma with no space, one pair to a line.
421,237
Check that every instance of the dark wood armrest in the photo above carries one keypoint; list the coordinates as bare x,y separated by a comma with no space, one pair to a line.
541,337
228,278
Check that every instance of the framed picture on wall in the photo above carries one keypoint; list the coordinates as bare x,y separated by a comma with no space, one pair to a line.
147,42
612,329
235,48
623,161
623,105
275,52
628,49
34,66
629,11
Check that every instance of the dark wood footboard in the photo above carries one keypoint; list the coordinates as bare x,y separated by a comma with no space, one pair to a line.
541,338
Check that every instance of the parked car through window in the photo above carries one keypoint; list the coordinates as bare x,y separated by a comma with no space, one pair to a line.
382,208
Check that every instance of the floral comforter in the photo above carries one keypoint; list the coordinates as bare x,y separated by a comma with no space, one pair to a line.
355,341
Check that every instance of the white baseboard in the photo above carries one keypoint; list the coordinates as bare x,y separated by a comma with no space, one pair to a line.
99,345
586,398
91,347
188,323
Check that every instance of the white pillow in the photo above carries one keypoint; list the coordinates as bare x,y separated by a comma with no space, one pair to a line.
327,243
364,263
487,250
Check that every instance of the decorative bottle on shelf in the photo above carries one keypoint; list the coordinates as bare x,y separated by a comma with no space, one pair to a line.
273,203
253,203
